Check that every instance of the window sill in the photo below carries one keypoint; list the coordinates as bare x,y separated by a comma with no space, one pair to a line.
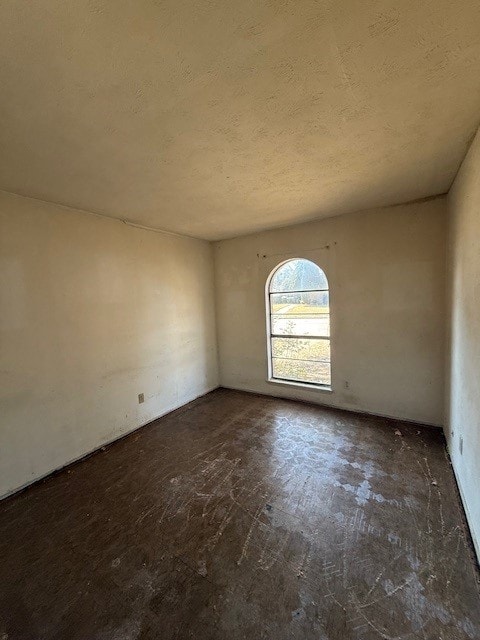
303,385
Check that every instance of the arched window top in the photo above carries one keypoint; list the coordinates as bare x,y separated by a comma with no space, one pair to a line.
298,275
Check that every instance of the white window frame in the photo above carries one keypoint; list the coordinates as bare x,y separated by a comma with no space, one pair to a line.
268,313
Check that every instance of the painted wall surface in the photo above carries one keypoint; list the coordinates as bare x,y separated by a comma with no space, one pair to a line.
386,269
463,375
94,312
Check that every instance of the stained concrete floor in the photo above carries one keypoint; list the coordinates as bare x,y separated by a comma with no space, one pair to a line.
242,516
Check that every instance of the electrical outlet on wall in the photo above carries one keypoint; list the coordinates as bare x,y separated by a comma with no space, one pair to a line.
141,398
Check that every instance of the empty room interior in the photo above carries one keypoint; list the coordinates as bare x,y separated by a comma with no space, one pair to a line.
240,320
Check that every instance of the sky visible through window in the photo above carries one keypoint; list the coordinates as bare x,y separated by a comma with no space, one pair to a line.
299,309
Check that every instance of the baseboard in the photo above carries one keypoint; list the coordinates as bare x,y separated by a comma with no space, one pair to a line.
103,444
341,407
468,517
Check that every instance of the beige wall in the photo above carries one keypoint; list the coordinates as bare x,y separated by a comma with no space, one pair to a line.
386,269
463,369
94,312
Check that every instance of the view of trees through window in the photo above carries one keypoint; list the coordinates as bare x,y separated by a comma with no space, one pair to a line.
299,312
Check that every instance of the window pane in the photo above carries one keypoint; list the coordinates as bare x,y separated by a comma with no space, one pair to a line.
300,325
298,275
298,349
299,303
301,371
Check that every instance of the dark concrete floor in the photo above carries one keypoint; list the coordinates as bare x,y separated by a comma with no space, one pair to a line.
242,516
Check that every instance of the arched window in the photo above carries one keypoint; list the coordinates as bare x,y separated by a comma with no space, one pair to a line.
298,323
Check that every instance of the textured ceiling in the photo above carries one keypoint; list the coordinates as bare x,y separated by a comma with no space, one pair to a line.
215,118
